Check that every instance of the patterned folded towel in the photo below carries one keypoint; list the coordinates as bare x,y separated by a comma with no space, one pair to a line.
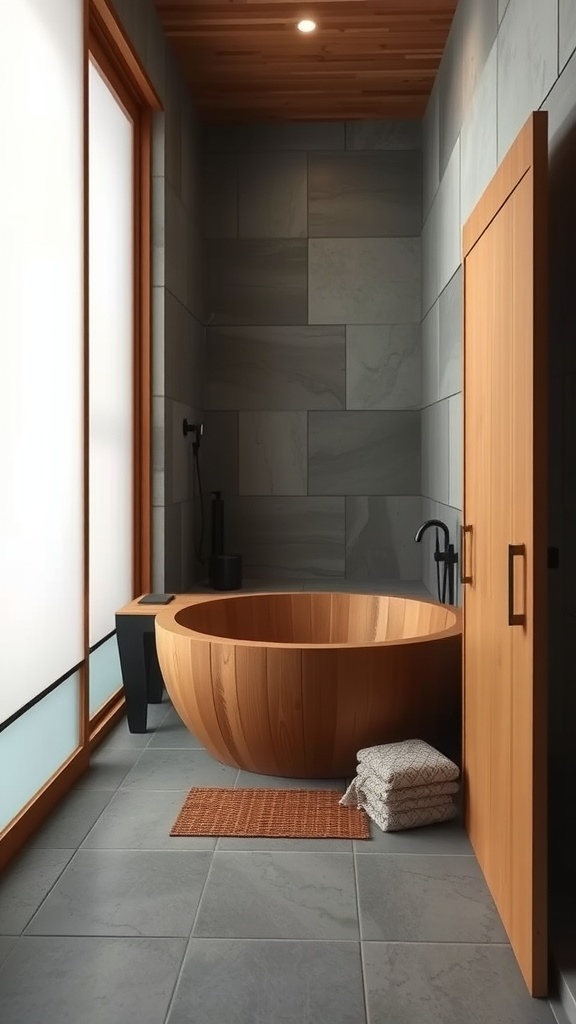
395,820
406,764
400,801
371,783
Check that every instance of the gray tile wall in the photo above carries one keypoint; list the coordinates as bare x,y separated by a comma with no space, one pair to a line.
526,62
178,279
501,61
313,345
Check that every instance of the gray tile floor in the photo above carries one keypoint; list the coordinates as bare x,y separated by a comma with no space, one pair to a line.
106,920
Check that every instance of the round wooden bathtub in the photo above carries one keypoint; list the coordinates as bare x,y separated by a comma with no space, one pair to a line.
294,684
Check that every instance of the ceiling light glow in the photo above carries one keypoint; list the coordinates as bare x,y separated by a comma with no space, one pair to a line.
306,25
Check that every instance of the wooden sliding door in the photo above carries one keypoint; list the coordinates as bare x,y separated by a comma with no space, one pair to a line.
505,543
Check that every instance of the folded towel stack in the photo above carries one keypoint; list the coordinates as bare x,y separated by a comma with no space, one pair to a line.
404,785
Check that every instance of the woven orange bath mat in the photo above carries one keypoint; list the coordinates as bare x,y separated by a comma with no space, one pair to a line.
278,813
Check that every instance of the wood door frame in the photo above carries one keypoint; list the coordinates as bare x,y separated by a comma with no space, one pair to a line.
110,50
515,166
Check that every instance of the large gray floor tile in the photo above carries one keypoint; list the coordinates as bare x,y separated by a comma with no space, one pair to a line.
225,982
142,821
178,769
447,984
108,768
563,990
448,838
118,892
173,733
425,899
25,884
279,896
72,819
122,739
7,943
89,980
269,845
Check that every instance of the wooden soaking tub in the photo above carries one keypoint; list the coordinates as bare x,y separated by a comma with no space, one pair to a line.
294,684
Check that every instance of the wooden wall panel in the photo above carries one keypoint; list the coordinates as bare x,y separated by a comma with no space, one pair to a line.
505,628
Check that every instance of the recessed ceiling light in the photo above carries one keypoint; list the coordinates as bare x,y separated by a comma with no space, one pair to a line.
306,25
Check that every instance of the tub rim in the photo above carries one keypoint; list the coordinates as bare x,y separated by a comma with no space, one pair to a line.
166,620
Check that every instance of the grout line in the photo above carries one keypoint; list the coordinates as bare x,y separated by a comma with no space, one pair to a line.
180,972
363,974
177,979
35,913
266,938
358,918
249,852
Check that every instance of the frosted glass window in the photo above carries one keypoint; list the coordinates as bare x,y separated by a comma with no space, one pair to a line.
41,346
36,745
111,234
105,674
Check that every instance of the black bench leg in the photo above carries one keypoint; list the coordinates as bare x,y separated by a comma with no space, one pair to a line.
131,631
154,681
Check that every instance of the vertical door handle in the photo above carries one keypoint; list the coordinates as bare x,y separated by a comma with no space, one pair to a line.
464,578
514,618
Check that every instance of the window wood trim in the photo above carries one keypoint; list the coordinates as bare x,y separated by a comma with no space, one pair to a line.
111,50
105,27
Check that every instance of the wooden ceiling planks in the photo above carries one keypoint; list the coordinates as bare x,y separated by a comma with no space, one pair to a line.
245,59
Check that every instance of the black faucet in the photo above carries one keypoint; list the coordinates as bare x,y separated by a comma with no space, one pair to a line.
448,556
